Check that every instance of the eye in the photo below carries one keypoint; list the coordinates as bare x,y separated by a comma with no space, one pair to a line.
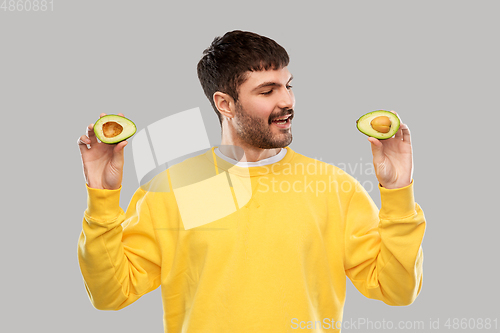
289,87
266,92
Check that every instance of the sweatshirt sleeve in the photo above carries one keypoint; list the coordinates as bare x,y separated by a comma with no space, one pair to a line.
117,251
383,253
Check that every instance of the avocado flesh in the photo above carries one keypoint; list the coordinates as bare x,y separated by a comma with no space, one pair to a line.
365,122
112,129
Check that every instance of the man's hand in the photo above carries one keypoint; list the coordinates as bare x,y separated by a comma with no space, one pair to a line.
102,163
392,158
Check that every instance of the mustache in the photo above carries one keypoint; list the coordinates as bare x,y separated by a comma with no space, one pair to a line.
283,113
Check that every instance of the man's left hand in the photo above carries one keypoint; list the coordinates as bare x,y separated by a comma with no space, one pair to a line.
392,158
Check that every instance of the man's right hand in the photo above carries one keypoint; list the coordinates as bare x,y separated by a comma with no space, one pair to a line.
102,163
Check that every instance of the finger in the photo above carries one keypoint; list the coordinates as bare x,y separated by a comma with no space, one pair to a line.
375,142
120,114
102,115
377,149
120,146
399,133
91,134
83,144
406,133
83,141
118,152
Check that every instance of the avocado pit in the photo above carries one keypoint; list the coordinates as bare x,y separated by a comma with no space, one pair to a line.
381,124
111,129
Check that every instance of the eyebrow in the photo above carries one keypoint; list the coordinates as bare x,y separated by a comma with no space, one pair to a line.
271,84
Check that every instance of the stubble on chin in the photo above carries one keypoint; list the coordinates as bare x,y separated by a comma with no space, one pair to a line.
258,133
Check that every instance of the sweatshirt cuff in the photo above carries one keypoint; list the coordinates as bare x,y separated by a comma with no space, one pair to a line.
397,203
103,205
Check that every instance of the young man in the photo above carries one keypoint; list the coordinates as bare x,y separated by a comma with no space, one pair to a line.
279,260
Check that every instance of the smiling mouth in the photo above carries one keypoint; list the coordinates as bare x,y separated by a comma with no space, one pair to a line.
283,120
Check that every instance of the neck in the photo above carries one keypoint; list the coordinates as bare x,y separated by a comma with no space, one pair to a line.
234,148
250,154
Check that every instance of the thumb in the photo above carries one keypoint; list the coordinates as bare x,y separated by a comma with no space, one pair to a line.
118,152
377,148
121,145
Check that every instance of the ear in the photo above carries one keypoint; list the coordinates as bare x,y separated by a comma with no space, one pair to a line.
224,103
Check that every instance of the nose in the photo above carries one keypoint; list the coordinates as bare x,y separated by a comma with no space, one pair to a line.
287,99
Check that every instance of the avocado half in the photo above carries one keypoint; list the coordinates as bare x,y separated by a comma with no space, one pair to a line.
112,129
379,124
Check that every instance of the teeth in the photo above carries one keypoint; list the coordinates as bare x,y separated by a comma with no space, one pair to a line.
282,119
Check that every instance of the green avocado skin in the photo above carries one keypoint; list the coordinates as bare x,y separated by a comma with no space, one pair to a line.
363,124
128,125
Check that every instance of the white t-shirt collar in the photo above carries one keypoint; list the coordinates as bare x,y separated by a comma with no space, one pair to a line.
270,160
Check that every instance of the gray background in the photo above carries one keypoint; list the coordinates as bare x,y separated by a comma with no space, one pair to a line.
434,62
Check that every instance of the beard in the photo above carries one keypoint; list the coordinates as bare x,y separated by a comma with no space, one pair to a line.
257,132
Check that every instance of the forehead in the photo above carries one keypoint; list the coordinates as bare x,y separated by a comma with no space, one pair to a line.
254,79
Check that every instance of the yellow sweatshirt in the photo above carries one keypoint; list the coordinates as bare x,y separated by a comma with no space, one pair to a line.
257,249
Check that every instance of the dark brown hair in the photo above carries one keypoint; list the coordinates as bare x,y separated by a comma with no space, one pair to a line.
226,61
